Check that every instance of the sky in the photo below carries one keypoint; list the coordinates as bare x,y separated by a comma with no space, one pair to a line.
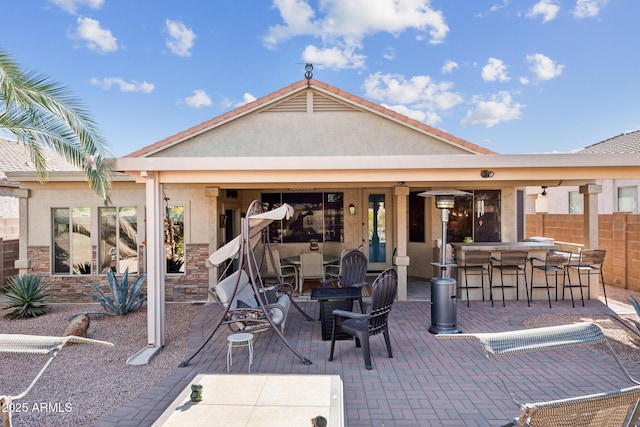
513,76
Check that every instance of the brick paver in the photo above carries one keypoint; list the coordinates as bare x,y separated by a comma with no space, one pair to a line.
428,381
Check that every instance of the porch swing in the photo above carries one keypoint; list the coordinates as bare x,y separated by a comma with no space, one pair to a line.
250,304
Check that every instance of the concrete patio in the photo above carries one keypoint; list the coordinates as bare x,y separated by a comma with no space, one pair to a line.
427,382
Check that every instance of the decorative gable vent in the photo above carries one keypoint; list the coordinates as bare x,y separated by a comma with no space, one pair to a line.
298,104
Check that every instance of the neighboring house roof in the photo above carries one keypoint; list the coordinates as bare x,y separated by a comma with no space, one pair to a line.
291,91
623,143
15,157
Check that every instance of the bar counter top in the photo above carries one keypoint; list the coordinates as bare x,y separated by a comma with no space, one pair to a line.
504,246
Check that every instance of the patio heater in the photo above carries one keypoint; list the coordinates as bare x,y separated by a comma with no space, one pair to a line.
444,289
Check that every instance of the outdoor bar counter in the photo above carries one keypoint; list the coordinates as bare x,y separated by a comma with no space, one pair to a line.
534,249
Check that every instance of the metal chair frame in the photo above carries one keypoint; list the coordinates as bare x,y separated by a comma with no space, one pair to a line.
475,263
553,263
510,263
310,267
612,408
589,262
29,345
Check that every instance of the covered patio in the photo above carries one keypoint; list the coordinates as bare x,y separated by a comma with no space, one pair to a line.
428,381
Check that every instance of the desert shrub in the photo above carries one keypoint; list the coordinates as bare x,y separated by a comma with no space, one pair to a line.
27,296
123,299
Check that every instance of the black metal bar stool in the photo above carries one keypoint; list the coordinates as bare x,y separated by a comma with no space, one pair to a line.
475,263
553,263
510,263
589,262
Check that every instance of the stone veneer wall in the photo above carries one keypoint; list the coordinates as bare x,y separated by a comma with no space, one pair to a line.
190,286
618,234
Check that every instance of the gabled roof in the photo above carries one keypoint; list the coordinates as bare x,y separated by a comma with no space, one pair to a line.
623,143
15,157
339,94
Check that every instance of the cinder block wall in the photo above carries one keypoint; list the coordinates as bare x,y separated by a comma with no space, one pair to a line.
618,234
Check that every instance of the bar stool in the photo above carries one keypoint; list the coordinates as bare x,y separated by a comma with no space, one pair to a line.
243,339
475,263
553,263
510,263
590,261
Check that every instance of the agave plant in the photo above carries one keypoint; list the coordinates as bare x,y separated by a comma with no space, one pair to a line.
26,297
123,299
636,305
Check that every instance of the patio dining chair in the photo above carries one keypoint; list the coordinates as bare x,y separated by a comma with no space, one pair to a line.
311,267
364,325
353,268
30,345
287,272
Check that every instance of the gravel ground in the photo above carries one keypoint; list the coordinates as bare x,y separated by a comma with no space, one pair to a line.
86,382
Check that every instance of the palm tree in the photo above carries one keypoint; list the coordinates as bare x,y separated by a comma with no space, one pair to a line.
43,113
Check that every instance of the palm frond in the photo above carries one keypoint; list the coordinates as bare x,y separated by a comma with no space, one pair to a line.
41,112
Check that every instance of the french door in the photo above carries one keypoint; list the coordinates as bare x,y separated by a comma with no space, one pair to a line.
378,232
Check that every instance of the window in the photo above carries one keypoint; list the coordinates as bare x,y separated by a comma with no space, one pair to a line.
576,203
71,240
416,217
118,248
174,238
476,217
317,216
628,199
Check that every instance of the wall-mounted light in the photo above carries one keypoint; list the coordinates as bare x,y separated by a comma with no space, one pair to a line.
352,209
486,173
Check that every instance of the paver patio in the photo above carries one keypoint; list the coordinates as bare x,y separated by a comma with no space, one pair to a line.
427,382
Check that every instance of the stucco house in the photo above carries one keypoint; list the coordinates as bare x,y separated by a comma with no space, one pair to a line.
351,168
618,195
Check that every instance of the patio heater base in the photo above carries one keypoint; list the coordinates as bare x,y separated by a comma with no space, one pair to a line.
443,306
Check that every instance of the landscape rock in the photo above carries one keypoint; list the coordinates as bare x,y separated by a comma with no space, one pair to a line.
78,326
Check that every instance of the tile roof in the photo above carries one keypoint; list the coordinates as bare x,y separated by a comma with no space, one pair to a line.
623,143
265,100
15,157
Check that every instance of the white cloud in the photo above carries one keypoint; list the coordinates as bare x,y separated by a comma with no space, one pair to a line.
488,113
548,9
181,38
419,97
71,6
389,54
449,66
345,24
124,86
96,37
247,98
333,57
588,8
495,70
543,67
199,99
427,117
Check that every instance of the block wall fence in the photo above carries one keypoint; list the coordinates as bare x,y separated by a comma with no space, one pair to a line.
618,234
